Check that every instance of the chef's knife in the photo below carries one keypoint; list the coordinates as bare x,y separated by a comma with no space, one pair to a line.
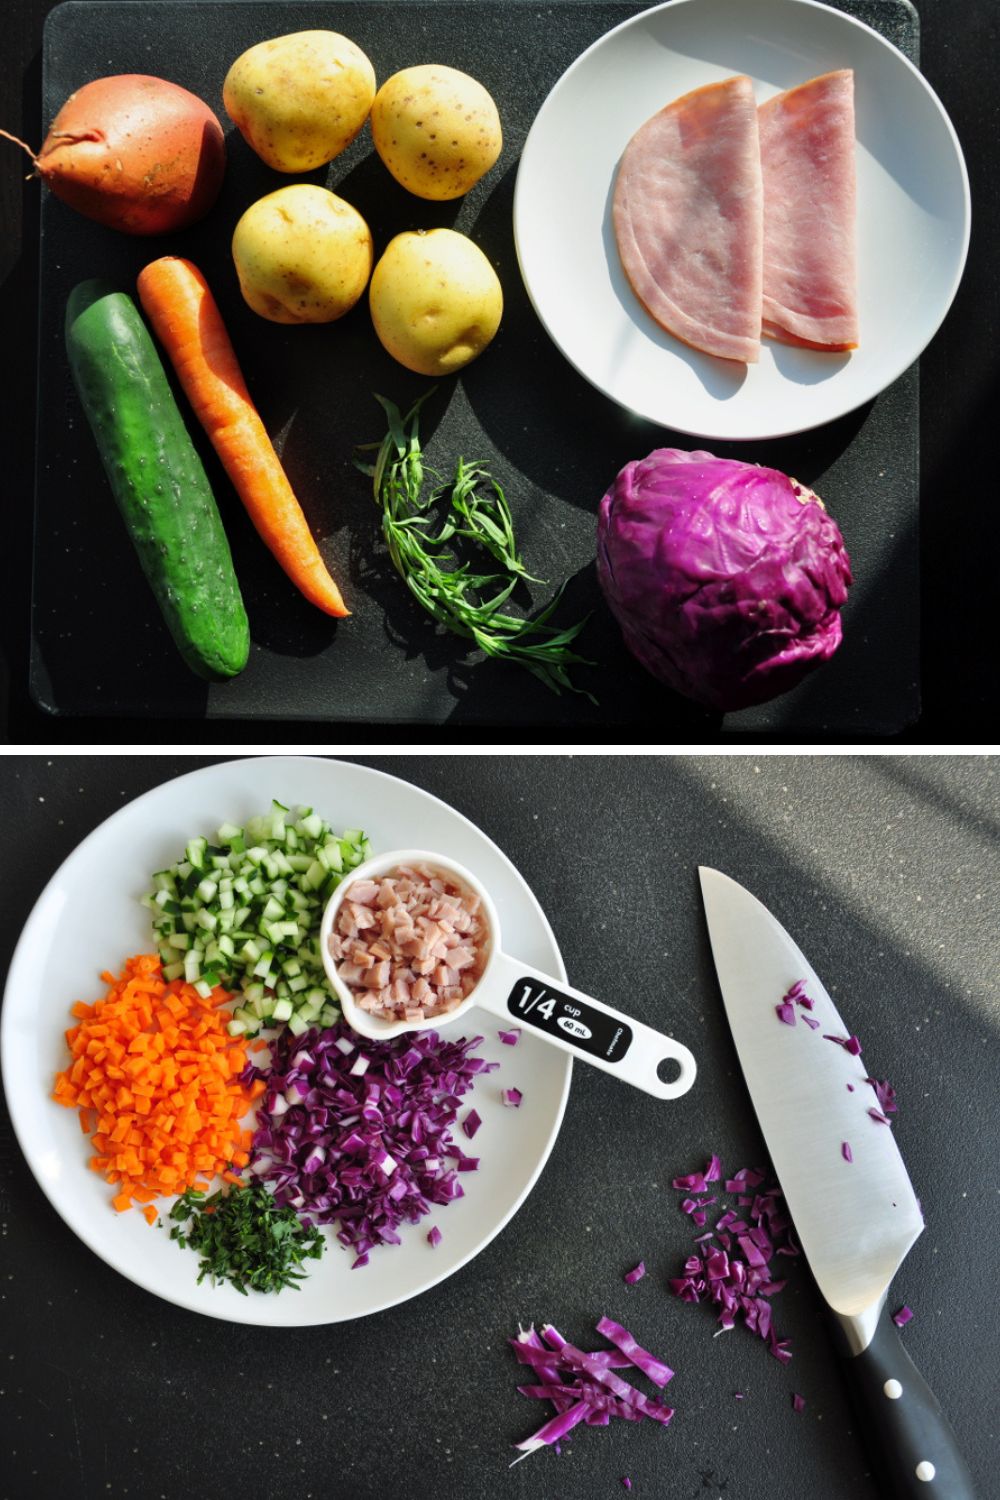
843,1178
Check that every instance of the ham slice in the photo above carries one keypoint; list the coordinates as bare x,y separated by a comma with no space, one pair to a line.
807,158
687,214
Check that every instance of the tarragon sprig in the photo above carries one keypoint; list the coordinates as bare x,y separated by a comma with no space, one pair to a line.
421,529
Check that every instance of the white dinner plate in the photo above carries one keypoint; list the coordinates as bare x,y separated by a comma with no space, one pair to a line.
88,919
913,214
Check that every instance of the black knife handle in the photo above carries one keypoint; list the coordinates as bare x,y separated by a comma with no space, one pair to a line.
907,1436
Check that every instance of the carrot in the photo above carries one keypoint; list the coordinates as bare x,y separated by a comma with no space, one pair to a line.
176,298
160,1093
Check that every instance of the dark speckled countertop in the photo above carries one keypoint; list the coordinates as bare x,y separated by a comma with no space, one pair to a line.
885,871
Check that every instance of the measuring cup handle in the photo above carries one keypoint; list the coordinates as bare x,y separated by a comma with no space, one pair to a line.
590,1030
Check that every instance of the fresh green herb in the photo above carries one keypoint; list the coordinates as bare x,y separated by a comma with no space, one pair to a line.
245,1238
421,530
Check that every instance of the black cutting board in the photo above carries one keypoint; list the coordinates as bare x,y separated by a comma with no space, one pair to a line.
98,644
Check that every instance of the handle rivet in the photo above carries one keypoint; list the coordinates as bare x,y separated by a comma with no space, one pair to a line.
925,1470
892,1389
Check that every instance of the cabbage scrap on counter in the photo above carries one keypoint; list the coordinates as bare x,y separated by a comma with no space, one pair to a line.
583,1386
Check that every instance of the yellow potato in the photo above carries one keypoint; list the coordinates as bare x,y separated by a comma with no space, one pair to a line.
300,99
436,129
435,300
302,255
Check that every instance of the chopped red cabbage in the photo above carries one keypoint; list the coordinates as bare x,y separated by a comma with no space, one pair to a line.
785,1012
510,1038
730,1267
626,1482
879,1117
849,1043
363,1150
738,1396
693,1184
582,1386
636,1273
809,1021
902,1317
845,1151
797,995
798,1404
471,1123
885,1094
434,1235
511,1098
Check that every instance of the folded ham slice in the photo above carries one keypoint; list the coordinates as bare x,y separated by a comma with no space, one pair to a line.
807,158
687,214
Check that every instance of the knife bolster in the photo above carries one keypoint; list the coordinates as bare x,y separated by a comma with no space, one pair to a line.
852,1335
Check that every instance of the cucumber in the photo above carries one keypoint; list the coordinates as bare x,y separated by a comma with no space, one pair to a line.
272,960
157,478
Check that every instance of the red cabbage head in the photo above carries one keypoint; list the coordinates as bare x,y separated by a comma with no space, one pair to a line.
726,578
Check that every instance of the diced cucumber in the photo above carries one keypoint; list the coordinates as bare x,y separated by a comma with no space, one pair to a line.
195,853
242,910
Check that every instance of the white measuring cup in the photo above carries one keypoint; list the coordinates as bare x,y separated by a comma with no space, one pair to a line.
522,995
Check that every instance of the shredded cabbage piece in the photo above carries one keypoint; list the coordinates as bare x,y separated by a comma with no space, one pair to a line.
582,1386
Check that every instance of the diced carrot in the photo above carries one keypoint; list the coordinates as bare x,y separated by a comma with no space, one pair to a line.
157,1126
149,1214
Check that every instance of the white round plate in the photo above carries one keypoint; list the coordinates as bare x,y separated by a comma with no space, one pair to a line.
913,214
88,919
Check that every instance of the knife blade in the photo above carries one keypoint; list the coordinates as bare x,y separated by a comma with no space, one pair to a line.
845,1183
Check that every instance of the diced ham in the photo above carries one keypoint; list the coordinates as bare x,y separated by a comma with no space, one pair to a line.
416,941
363,892
351,974
387,894
687,215
808,160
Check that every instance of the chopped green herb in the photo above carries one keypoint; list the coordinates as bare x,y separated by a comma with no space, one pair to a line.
471,511
244,1237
